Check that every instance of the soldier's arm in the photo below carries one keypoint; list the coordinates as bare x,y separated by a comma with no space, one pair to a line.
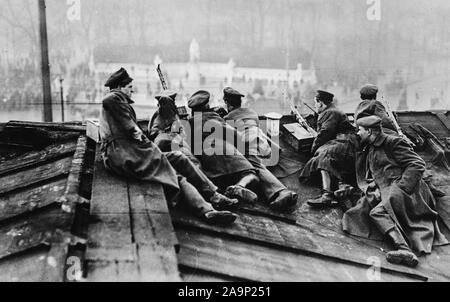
412,164
154,128
326,132
121,113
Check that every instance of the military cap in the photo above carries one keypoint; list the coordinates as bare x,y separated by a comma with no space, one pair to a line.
230,93
199,99
325,97
169,93
369,92
371,121
118,78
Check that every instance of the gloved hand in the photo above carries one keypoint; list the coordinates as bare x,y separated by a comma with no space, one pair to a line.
138,135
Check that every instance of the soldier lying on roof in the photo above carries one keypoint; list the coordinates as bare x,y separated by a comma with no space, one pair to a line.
333,150
396,199
246,122
165,128
128,152
220,160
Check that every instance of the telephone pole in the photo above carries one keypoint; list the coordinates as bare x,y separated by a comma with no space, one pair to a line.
45,64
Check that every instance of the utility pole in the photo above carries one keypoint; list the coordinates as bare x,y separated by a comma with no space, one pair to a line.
61,92
45,64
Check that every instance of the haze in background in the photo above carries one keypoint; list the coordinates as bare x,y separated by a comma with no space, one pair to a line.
403,47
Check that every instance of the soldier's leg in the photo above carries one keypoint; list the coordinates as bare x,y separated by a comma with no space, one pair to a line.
195,176
327,199
384,222
194,201
240,189
276,193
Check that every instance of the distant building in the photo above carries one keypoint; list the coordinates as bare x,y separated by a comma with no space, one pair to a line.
212,76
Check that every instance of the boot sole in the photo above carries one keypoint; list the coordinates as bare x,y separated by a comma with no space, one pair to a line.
408,260
277,207
243,194
323,205
344,193
222,219
226,207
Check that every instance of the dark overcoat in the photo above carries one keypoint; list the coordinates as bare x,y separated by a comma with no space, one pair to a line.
392,166
335,146
122,153
209,144
374,107
246,121
170,135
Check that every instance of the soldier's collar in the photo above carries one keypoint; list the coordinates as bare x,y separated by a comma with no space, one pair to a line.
123,96
380,140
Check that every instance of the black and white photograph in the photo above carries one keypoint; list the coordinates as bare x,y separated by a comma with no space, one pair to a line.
224,146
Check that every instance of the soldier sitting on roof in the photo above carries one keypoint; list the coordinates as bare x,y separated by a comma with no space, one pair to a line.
220,160
371,106
396,200
246,122
333,150
128,152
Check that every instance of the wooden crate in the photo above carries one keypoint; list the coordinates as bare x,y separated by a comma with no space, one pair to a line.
297,136
93,130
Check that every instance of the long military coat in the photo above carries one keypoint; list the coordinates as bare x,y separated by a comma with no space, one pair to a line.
217,156
246,121
122,153
396,170
335,146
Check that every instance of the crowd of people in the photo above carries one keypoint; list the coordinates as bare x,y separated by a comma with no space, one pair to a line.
20,85
373,161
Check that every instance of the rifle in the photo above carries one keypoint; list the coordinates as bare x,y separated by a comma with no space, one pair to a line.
299,117
396,125
161,77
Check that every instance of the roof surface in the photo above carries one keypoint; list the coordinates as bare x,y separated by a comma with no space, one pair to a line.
64,218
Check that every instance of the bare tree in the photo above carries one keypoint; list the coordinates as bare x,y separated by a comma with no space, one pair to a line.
12,14
262,7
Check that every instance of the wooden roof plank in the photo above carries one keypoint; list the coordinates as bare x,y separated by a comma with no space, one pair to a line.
109,193
26,233
444,119
29,200
25,179
75,127
71,194
109,231
110,237
157,263
247,261
54,263
150,215
35,158
301,239
24,267
102,271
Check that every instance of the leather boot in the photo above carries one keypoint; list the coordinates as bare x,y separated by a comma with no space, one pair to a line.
241,193
326,200
219,217
285,200
402,254
221,202
345,191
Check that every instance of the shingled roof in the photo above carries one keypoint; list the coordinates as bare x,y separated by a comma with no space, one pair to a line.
64,218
